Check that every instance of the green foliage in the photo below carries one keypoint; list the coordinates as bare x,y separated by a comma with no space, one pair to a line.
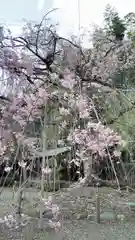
125,124
130,25
114,24
118,28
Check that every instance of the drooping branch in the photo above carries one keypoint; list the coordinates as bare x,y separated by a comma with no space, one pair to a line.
97,80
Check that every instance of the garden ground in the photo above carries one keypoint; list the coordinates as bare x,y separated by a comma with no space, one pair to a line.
77,205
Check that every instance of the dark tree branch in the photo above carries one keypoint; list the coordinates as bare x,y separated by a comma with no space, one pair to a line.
97,80
39,26
5,98
112,48
73,44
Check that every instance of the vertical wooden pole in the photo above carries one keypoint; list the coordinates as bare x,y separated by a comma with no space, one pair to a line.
97,206
24,181
20,193
127,189
13,192
44,147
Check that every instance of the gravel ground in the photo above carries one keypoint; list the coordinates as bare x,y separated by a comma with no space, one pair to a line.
78,230
83,230
73,202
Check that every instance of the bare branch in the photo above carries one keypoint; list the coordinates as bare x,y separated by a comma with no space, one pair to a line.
39,27
2,97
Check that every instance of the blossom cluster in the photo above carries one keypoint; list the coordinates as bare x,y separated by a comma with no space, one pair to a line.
95,138
55,222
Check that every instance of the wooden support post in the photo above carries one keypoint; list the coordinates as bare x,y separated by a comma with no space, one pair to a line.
127,189
20,193
13,192
97,206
